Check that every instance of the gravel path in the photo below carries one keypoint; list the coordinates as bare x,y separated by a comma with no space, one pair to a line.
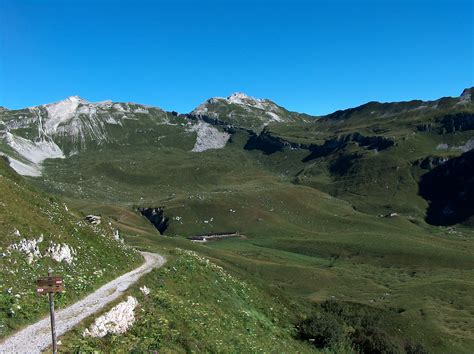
37,337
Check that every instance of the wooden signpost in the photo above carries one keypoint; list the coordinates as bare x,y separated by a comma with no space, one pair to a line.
50,285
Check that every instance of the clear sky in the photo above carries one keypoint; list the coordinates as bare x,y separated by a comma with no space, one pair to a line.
309,56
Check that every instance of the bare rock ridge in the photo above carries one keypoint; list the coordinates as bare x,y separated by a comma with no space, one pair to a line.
270,144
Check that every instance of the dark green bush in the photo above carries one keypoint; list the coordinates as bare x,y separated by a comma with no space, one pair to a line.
334,325
323,330
373,340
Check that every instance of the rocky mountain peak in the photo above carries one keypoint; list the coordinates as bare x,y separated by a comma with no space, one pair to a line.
76,99
466,95
242,98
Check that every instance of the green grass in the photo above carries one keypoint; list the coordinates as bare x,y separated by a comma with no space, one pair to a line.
196,306
98,259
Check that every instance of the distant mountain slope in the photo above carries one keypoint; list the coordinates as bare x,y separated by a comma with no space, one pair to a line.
76,120
61,129
359,154
38,232
247,112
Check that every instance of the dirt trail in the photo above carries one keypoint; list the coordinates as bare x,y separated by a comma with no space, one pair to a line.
37,337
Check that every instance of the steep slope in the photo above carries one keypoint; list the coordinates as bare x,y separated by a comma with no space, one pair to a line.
450,189
38,232
70,316
246,112
194,305
62,129
375,151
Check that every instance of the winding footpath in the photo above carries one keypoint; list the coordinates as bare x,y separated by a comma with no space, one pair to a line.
37,337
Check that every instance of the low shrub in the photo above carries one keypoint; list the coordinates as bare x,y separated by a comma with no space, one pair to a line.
363,329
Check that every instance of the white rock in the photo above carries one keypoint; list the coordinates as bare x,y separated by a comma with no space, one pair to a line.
208,137
60,252
93,219
34,152
24,169
237,98
60,112
274,117
468,146
28,247
116,236
442,146
115,321
244,100
145,290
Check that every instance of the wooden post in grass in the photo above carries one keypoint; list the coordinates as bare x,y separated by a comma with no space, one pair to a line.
51,312
50,285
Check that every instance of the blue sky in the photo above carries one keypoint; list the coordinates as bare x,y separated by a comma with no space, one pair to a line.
309,56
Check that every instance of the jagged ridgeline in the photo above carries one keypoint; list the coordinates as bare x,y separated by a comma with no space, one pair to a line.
38,232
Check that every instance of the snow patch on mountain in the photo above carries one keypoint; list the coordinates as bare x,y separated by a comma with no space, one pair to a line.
208,137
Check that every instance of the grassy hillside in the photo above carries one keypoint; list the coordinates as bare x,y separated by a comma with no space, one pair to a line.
374,155
38,232
195,305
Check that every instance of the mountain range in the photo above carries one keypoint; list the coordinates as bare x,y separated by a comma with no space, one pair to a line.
341,140
364,212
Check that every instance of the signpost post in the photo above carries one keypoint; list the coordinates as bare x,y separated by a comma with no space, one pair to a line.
50,285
